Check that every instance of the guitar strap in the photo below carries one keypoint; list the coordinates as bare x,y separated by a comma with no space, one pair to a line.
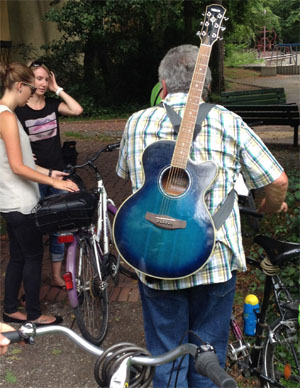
225,209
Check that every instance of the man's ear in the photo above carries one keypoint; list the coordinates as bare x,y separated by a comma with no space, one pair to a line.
164,90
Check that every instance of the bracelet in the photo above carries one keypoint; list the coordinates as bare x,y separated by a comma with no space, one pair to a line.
58,91
50,172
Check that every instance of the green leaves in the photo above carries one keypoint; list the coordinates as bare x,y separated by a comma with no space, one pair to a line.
56,351
10,377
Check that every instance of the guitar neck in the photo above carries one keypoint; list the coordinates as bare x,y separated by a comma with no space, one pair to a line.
188,122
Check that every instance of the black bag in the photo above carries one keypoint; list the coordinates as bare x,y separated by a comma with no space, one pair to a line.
65,212
69,152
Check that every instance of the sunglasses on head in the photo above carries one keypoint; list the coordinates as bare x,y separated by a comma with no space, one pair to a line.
36,64
32,88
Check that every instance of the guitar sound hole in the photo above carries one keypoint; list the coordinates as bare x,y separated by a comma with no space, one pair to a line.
175,181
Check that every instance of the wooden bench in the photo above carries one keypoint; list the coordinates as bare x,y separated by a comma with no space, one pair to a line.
267,96
283,114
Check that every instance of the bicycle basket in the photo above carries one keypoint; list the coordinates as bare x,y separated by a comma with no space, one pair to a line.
65,212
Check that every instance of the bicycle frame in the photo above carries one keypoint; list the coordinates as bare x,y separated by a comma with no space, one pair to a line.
104,205
253,354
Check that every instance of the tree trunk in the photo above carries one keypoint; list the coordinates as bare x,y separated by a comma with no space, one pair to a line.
217,64
188,18
217,67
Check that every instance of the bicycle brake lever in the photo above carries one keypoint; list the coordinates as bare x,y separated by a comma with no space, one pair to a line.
111,147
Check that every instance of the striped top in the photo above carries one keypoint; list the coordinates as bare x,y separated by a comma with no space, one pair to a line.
225,139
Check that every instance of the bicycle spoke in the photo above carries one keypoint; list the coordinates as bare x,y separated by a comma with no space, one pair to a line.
92,310
281,357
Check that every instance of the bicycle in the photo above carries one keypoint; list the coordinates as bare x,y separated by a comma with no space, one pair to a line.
90,260
274,357
128,365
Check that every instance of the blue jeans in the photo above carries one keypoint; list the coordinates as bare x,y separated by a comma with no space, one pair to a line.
168,315
56,249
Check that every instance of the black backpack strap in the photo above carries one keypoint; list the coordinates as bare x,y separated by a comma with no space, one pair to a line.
176,119
226,208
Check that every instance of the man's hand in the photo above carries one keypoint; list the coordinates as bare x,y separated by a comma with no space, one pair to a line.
275,194
264,208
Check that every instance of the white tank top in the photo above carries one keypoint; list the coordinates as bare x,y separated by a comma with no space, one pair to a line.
17,193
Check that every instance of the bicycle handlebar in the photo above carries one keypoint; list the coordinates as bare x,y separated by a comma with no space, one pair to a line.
250,212
207,364
206,361
107,148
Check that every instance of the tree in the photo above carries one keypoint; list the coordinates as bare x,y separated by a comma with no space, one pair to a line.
119,43
110,50
288,13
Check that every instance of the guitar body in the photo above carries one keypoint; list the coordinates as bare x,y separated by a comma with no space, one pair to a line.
164,232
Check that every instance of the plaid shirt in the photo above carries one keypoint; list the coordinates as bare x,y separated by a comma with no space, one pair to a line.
225,139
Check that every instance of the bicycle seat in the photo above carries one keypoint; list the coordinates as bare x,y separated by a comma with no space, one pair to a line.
279,252
293,307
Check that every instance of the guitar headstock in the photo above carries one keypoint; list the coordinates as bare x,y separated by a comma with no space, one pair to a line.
212,24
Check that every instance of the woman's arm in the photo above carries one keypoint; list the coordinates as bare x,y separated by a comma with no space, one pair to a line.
69,107
52,173
10,134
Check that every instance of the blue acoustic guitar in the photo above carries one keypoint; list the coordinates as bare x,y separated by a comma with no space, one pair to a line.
164,229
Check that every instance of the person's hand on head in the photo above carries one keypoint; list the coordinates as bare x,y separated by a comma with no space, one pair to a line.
52,83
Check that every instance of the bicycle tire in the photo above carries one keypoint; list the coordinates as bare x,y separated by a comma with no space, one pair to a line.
281,359
124,270
91,312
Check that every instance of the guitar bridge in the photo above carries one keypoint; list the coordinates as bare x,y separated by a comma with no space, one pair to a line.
165,222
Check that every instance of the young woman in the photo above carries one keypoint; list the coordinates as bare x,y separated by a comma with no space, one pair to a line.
39,118
19,194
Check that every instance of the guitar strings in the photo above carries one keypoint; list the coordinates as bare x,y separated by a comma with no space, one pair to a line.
176,176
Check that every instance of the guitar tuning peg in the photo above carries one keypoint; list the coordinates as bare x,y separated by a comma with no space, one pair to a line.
203,14
226,19
223,28
201,23
198,33
221,38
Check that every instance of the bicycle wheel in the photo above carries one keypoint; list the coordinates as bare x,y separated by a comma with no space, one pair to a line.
92,310
122,268
282,354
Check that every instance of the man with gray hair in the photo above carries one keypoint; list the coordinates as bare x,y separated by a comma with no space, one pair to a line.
201,302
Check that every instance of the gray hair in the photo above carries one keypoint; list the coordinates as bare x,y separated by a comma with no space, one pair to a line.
177,68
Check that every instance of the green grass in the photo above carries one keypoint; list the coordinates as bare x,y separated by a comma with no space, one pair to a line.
238,57
88,136
239,73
